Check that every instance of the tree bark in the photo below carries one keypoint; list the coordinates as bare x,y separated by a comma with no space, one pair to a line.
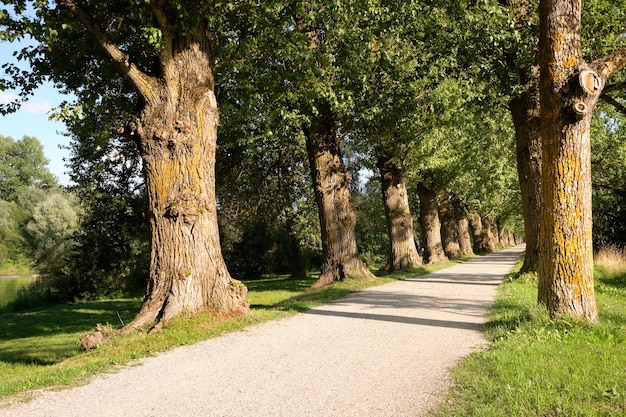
331,181
480,246
463,229
483,232
177,134
449,227
492,233
402,252
431,226
525,113
565,261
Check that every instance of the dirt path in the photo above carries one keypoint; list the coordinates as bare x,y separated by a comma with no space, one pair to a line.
382,352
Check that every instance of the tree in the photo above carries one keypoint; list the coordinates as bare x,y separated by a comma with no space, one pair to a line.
51,228
402,253
167,52
22,165
322,29
431,225
569,90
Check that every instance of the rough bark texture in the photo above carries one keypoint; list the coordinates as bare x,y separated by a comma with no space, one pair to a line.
402,252
177,133
449,228
340,256
484,232
492,234
565,261
476,224
462,223
525,113
431,226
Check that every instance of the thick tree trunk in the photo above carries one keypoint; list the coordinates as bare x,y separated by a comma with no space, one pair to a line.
482,230
525,113
463,229
567,100
335,207
449,227
480,246
492,235
178,133
431,226
402,252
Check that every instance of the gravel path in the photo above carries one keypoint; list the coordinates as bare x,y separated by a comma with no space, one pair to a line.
382,352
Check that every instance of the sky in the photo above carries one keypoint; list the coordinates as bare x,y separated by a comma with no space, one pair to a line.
32,120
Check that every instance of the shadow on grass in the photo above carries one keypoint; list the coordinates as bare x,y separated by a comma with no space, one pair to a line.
48,335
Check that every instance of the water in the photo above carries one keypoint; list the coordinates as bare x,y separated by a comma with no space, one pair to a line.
9,287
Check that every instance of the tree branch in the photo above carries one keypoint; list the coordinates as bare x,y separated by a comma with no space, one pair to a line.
618,106
614,87
610,64
142,82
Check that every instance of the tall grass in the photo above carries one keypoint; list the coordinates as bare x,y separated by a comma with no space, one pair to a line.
611,260
538,367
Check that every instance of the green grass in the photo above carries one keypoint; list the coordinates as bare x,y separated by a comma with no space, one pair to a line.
40,347
537,367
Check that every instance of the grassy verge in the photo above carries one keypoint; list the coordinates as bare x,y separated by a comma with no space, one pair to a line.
40,348
536,367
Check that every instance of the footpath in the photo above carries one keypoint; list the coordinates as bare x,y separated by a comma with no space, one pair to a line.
382,352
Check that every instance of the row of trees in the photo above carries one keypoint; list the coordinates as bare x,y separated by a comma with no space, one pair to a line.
416,92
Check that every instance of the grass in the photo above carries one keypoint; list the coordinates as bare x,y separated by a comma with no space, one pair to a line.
39,347
538,367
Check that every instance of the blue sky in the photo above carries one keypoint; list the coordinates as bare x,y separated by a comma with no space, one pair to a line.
32,119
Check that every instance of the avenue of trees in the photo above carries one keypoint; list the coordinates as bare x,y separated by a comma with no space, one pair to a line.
242,137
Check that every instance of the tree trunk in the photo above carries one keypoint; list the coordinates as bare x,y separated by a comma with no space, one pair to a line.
477,233
449,227
525,113
340,256
178,133
462,223
431,226
482,230
402,249
492,235
567,99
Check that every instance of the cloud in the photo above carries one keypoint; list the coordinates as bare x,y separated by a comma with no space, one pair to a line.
6,98
32,106
36,107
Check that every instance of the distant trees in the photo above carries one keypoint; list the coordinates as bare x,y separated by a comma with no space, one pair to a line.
22,165
38,219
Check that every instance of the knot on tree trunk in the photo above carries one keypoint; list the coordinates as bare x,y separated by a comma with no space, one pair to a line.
185,207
